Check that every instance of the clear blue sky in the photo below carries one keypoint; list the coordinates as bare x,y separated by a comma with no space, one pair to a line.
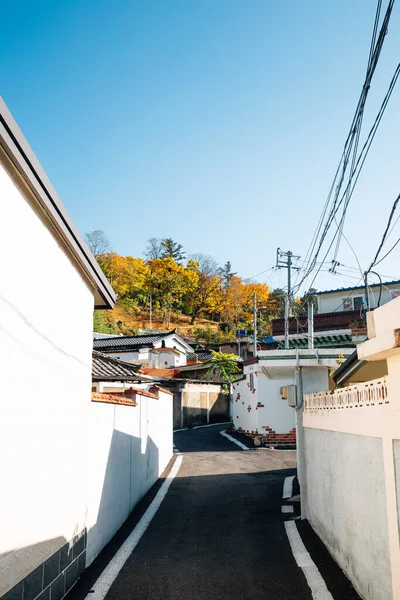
217,123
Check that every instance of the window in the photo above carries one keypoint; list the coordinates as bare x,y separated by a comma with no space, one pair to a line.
347,304
353,303
358,302
395,293
251,382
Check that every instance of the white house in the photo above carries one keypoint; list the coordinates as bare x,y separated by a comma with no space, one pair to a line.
260,405
159,350
340,319
354,298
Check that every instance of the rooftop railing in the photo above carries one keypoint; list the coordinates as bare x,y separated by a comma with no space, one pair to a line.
369,393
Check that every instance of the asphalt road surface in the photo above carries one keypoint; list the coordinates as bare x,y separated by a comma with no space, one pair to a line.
220,533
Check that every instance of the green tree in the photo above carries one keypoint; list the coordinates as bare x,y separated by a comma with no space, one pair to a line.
227,274
224,366
171,249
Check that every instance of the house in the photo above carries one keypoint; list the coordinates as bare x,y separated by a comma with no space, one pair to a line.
50,284
259,403
351,454
159,350
340,317
199,398
353,298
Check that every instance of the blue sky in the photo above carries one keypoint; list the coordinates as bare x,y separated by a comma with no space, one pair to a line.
217,123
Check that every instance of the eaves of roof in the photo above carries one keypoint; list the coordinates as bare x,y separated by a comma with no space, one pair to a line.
358,287
129,342
106,368
25,163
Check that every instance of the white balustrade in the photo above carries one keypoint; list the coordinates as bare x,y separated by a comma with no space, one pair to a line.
369,393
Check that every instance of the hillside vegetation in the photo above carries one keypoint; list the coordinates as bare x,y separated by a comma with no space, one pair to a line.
193,293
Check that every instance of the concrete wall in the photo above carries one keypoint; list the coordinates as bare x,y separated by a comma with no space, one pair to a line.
129,447
351,494
45,355
347,506
198,403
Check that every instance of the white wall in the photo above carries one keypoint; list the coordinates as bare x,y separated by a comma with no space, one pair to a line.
275,412
242,399
129,447
45,356
350,473
333,302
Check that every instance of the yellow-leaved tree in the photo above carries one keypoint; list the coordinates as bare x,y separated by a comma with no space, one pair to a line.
168,282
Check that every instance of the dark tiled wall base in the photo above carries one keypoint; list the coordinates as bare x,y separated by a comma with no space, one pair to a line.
54,578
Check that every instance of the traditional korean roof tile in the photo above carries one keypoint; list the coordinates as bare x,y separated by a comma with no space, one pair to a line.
130,341
106,368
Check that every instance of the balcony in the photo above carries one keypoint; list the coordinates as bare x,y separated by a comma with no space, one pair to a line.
349,319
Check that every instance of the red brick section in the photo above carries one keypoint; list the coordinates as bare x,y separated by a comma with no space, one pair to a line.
271,437
341,319
358,328
112,399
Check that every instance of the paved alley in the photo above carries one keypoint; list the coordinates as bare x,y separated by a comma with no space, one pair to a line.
220,532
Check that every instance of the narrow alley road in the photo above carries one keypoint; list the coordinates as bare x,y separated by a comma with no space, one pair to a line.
220,533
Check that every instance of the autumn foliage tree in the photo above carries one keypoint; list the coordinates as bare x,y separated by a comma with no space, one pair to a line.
197,288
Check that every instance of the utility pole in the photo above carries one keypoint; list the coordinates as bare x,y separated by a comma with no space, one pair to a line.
284,261
151,310
255,324
310,322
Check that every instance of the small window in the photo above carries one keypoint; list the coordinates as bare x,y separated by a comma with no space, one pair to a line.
347,304
251,382
163,344
358,302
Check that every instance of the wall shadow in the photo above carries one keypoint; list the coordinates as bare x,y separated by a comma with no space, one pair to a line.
131,470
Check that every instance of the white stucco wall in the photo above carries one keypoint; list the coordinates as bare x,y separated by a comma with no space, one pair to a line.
45,356
276,412
333,302
347,506
129,447
351,494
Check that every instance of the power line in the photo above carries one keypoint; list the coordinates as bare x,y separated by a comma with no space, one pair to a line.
385,235
352,138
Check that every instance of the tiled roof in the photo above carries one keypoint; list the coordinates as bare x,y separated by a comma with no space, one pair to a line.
112,399
141,392
163,373
200,355
130,341
105,368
